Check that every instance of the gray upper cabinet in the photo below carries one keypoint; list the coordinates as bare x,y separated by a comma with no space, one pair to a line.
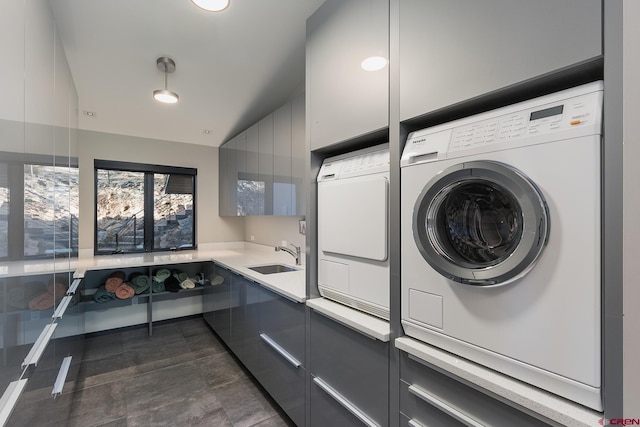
262,168
346,101
227,176
298,155
453,50
265,161
282,161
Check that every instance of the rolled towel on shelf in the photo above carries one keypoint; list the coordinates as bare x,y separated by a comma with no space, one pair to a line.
57,289
139,282
172,284
114,281
180,275
161,275
187,284
42,302
218,280
157,287
55,292
125,291
102,295
20,294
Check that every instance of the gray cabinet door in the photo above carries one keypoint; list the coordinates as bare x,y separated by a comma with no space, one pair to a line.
217,304
299,155
282,335
227,176
265,161
353,365
282,162
250,187
237,316
453,50
346,101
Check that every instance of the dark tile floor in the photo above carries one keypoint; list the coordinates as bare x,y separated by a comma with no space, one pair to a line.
181,376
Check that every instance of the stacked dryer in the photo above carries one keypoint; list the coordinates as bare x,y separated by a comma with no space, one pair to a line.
353,223
501,232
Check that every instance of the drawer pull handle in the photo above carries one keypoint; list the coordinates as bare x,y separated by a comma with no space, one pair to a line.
10,398
345,403
39,346
62,307
74,286
444,407
62,376
284,353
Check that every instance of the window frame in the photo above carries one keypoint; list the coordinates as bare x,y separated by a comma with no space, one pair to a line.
149,170
16,163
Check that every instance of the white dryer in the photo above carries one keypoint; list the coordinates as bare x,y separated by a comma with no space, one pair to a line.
353,223
501,240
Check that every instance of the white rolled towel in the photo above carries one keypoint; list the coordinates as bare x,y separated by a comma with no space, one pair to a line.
187,284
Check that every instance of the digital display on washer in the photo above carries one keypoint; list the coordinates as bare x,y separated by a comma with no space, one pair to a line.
548,112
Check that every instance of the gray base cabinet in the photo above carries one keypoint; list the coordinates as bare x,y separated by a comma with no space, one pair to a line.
349,375
266,331
428,397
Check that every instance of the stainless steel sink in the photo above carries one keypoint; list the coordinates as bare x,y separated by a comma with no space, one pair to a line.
272,268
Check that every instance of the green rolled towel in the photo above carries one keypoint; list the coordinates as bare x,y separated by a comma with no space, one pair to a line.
157,287
139,282
161,275
102,295
180,275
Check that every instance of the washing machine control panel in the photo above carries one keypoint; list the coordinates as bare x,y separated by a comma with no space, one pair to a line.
541,120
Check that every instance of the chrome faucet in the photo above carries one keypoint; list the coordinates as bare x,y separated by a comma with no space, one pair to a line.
294,253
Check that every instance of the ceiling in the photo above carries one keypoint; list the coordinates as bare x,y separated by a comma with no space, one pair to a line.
232,67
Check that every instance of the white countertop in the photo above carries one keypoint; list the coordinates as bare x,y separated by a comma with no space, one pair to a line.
362,322
236,256
535,399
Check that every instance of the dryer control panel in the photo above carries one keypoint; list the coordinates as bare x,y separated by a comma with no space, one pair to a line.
360,164
561,115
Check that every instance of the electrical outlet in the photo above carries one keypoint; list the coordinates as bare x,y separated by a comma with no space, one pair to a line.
284,243
252,237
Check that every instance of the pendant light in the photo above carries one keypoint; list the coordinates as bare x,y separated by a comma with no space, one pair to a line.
166,65
212,5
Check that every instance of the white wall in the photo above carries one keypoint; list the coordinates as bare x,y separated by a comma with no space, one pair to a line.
631,210
272,230
210,227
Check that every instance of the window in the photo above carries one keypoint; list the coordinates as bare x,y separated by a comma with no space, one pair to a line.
38,206
142,208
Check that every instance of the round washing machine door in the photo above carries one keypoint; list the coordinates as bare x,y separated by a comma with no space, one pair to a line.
481,223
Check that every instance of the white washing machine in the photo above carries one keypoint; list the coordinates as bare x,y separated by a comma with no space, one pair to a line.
353,224
501,232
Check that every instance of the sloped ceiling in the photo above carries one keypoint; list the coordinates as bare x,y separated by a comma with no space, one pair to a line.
232,67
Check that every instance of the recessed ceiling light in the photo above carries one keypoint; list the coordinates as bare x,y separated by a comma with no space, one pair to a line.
91,114
206,131
212,5
374,63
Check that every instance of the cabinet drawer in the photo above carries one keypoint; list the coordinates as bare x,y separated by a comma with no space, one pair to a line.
284,378
428,396
355,365
284,321
330,410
